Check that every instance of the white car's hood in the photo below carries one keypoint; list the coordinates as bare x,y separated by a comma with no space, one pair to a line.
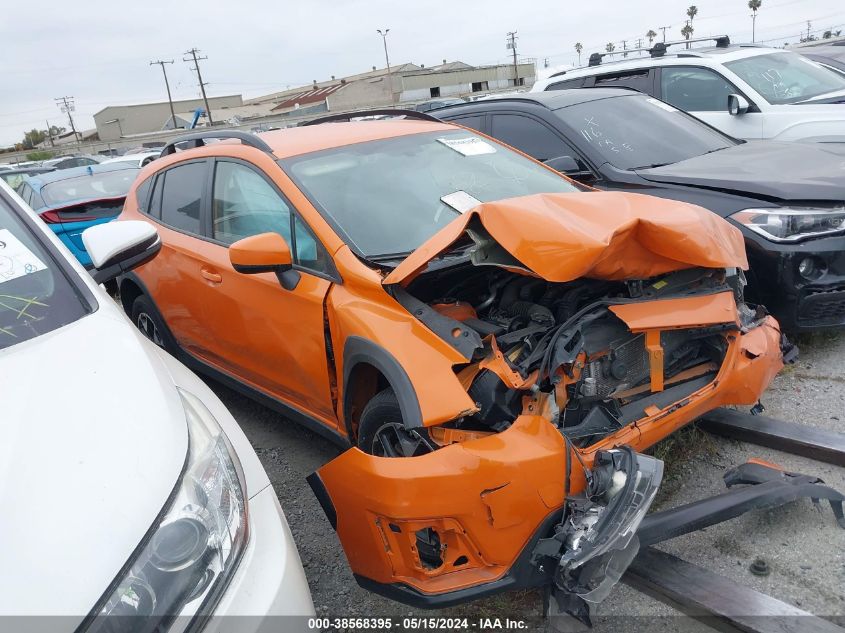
93,442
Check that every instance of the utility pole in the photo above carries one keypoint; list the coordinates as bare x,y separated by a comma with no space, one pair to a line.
387,62
66,106
193,53
809,25
511,44
167,84
624,47
663,28
50,134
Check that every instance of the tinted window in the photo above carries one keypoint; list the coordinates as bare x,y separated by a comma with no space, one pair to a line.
636,131
142,195
245,204
476,122
385,196
155,199
787,77
182,195
36,296
695,89
563,85
529,136
638,80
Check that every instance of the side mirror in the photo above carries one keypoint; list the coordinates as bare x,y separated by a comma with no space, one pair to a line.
264,253
118,247
737,104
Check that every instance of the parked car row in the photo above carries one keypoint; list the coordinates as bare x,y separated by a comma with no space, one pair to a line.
493,340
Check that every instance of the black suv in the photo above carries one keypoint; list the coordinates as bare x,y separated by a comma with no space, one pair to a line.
787,198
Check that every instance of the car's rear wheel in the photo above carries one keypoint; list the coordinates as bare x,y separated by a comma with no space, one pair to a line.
382,432
146,319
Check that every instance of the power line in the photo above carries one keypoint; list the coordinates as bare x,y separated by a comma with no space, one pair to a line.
193,53
167,85
66,105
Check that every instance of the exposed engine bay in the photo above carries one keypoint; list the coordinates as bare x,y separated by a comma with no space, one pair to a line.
563,342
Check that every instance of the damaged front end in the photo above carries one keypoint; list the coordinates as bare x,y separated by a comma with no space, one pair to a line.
587,336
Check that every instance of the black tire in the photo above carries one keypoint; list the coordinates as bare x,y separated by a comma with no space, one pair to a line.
382,432
145,318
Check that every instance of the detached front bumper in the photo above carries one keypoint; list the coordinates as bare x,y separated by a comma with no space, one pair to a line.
487,515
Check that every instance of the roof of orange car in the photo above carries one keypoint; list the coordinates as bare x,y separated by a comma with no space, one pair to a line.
312,138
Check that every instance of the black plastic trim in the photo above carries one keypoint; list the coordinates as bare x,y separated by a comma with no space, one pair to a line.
319,489
360,350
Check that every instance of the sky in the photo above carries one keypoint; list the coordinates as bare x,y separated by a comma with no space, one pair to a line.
99,51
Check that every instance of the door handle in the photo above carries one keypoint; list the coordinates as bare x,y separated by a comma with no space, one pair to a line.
213,277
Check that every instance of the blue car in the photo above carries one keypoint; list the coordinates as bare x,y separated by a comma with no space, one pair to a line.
71,200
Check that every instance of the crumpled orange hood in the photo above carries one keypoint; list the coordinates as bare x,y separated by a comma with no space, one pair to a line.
602,235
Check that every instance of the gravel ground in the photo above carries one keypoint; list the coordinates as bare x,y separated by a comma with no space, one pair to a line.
803,546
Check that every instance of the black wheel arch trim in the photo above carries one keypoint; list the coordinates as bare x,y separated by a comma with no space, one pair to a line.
319,490
357,350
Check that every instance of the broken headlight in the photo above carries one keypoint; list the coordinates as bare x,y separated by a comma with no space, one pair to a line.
792,225
192,550
600,531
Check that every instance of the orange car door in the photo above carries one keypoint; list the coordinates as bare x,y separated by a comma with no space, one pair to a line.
265,335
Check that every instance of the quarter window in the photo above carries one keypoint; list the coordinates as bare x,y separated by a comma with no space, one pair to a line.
182,195
564,85
695,89
529,136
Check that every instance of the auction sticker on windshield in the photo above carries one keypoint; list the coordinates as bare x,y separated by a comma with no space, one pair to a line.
16,260
470,146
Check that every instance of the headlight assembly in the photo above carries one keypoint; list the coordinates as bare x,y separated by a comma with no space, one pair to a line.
189,555
792,225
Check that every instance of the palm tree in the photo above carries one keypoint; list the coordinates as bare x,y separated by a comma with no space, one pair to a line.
691,13
687,32
754,5
610,47
578,48
650,35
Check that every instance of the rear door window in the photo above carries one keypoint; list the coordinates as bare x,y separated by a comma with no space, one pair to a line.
181,196
638,80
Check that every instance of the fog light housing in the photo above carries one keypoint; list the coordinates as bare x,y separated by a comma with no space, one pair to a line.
812,268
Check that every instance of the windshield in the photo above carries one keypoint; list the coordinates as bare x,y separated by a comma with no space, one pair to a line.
635,131
109,184
385,196
35,297
787,77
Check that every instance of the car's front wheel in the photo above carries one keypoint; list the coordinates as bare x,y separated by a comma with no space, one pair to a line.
146,319
382,432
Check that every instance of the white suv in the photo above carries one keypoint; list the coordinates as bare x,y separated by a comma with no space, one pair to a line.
132,501
746,91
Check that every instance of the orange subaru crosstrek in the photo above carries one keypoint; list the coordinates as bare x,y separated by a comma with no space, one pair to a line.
495,342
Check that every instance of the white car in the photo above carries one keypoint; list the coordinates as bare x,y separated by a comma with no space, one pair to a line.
127,488
748,92
138,160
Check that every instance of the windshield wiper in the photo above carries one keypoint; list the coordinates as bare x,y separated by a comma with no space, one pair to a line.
387,257
650,166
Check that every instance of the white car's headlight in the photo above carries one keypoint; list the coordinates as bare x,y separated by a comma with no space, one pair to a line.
188,556
792,225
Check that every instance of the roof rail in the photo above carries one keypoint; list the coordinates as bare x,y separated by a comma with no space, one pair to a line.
658,50
348,116
197,139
